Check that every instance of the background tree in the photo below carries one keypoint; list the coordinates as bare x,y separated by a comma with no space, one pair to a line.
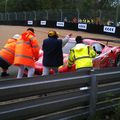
87,8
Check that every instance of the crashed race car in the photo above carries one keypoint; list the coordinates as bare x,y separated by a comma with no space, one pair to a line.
108,55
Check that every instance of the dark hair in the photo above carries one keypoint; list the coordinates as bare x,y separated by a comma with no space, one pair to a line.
78,39
31,29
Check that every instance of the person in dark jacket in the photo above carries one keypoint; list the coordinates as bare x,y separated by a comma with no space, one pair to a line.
52,52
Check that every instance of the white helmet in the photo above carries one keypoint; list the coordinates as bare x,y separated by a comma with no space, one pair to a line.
16,36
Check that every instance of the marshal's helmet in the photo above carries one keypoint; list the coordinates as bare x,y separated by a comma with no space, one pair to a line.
16,36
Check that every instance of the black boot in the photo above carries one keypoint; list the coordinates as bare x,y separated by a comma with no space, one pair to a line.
4,74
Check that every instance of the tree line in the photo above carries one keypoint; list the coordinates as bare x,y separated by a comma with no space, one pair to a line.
95,8
29,5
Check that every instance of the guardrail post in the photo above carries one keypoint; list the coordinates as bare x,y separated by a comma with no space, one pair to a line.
93,96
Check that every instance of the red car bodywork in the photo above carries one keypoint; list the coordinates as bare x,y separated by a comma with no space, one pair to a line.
108,56
39,66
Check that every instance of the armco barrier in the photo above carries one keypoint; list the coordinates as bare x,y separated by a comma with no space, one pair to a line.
58,97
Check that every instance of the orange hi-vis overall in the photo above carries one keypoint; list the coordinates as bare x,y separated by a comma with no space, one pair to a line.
7,53
27,50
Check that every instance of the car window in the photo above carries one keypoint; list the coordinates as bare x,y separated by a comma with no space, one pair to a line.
97,46
68,46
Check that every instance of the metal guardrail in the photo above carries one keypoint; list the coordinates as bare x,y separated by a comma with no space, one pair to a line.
58,96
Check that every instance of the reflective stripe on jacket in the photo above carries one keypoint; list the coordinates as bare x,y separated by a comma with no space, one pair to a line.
27,50
7,52
81,55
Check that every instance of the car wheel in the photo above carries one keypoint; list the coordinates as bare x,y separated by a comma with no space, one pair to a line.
118,61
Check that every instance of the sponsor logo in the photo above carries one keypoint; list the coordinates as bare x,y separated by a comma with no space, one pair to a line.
42,22
109,29
60,24
30,22
82,26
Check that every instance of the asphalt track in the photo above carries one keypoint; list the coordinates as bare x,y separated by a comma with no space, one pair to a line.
7,32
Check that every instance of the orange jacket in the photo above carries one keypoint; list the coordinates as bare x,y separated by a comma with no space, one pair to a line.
27,50
7,53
